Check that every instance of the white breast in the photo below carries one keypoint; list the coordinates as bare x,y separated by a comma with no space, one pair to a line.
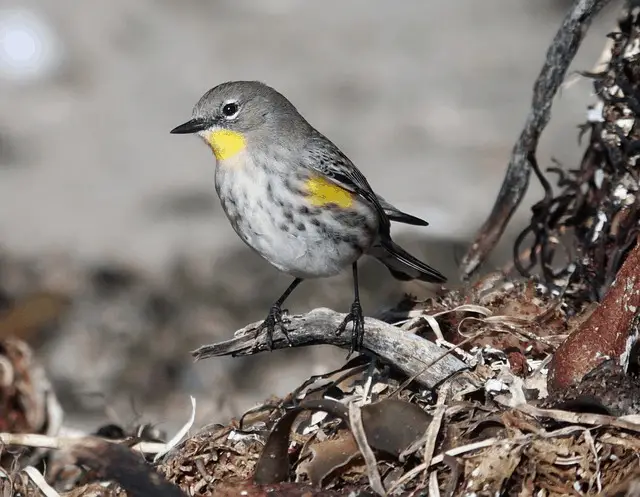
255,201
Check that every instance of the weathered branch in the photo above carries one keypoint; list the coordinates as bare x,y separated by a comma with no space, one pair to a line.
409,353
560,53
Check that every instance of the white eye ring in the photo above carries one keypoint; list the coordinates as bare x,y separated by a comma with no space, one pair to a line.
230,110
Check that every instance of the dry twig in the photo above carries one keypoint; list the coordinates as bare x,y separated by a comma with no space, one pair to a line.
49,442
357,430
39,481
579,418
436,424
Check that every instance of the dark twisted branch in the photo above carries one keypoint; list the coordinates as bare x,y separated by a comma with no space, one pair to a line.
405,351
560,53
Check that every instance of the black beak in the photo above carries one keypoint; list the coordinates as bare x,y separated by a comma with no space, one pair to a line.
192,126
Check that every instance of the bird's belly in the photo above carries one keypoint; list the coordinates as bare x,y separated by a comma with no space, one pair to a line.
305,255
303,242
302,253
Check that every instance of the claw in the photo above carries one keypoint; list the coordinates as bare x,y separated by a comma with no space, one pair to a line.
274,318
356,317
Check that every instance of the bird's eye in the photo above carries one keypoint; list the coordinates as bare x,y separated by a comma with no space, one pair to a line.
230,109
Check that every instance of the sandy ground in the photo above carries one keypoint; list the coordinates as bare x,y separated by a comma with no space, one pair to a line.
427,99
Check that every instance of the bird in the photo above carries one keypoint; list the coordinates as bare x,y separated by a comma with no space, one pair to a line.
293,197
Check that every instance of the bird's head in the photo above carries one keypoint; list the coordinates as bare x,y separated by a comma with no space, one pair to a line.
240,114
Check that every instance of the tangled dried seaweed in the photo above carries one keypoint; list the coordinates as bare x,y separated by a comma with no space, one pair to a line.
558,58
582,234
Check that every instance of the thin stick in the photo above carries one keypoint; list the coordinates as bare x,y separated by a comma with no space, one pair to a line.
578,417
48,442
434,490
175,440
454,452
39,481
357,429
436,423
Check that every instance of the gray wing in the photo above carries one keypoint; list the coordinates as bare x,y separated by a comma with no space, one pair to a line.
326,159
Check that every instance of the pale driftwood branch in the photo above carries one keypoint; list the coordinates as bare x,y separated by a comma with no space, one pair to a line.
560,53
40,441
407,352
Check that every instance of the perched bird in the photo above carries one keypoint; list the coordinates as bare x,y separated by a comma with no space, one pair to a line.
294,197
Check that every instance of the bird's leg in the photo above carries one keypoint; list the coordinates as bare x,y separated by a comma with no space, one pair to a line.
274,318
355,316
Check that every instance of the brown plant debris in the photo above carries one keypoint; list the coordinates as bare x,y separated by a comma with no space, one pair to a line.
607,389
27,401
484,445
487,428
478,432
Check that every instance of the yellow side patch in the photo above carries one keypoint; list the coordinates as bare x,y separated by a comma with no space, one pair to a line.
322,192
225,144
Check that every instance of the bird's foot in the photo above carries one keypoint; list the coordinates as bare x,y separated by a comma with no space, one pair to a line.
356,317
273,319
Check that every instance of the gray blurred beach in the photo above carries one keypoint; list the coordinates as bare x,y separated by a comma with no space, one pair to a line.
426,97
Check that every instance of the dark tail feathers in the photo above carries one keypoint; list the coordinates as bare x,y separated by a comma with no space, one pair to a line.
395,214
403,265
402,217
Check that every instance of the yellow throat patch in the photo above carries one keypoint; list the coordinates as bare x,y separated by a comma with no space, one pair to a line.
225,143
322,192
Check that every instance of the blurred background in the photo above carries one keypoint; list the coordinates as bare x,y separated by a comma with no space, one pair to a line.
111,234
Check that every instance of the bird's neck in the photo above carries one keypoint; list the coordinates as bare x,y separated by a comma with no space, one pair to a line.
224,143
